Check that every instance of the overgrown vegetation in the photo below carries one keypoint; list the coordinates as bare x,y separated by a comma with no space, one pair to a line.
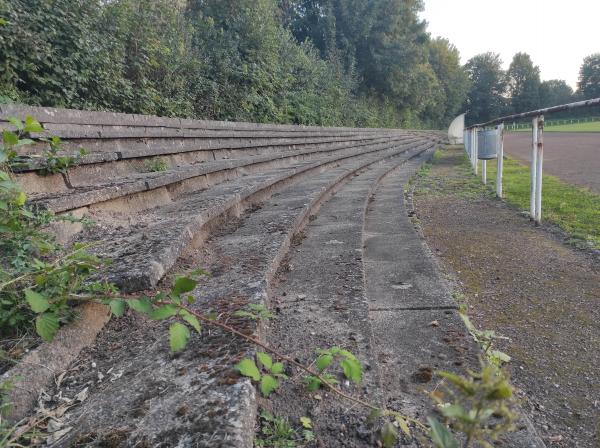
39,279
328,62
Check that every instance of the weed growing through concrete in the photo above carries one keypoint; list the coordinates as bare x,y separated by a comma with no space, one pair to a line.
277,432
156,164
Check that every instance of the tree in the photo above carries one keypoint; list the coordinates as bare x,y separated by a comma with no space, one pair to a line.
523,83
444,59
555,92
383,42
589,77
488,85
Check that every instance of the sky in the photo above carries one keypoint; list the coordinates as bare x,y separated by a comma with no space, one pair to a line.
557,34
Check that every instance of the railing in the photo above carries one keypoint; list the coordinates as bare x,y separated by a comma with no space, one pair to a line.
514,126
472,140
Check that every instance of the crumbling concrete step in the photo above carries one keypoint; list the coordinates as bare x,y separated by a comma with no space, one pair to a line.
81,117
144,253
93,192
138,158
78,131
110,149
196,399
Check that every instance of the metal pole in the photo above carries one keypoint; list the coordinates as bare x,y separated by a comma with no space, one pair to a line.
500,160
538,176
534,139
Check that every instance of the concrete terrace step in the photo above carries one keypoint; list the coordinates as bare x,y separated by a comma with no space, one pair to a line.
144,252
87,190
111,137
220,407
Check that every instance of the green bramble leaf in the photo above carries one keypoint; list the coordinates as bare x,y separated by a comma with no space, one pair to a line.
117,307
247,367
277,368
16,123
352,369
323,362
178,337
46,325
190,319
268,384
24,142
265,360
441,435
183,285
163,312
32,125
140,305
37,302
10,138
242,313
312,383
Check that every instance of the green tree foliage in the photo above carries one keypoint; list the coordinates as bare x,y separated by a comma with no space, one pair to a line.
445,61
523,83
555,92
329,62
385,44
589,77
488,85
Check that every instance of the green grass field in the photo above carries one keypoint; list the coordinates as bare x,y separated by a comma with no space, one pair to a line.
591,126
575,210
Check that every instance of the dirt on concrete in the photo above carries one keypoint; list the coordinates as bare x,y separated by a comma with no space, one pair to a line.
526,284
571,156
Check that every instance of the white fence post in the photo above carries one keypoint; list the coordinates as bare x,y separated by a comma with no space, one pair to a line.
475,148
534,139
538,175
500,160
484,171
